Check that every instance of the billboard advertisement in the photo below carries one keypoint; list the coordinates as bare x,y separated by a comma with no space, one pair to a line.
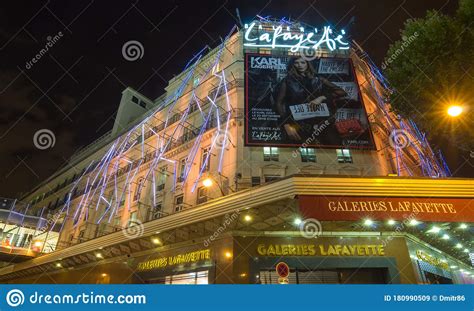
293,101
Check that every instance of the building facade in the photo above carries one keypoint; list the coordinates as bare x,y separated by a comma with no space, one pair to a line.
208,184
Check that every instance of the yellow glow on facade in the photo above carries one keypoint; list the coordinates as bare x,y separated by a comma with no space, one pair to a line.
207,182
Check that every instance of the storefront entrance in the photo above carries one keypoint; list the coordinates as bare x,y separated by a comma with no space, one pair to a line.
331,276
191,278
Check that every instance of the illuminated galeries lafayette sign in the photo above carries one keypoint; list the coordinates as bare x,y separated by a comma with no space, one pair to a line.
285,37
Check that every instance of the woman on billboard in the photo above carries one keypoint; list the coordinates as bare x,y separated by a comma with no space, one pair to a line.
306,100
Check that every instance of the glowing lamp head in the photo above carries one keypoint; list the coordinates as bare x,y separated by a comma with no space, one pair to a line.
414,222
454,110
368,222
207,182
38,244
228,255
247,218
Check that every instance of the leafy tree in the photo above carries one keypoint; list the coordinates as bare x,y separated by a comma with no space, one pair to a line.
431,67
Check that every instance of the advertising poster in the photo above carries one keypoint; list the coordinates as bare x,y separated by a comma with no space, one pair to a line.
292,100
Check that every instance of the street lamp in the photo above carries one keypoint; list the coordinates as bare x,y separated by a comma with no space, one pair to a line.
207,182
454,110
210,181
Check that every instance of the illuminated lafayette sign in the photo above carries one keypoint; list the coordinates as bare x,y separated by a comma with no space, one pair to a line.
320,250
431,260
164,262
258,36
381,208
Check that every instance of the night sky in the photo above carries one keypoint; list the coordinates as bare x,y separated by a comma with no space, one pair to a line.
74,89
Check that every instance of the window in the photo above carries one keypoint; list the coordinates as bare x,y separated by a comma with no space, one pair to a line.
178,203
80,237
201,195
344,156
138,189
117,222
186,134
132,220
205,159
270,153
269,178
196,81
182,168
135,100
255,181
200,277
162,178
142,104
308,155
157,211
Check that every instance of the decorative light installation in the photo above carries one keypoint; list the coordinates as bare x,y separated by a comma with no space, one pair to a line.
257,35
430,164
127,155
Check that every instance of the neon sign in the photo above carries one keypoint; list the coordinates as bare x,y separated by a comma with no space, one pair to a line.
277,38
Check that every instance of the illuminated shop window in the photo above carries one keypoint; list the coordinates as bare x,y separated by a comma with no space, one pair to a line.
201,277
201,195
271,153
205,153
344,156
308,155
